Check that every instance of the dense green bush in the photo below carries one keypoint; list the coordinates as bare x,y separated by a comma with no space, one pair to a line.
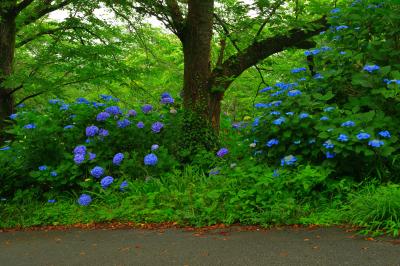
59,147
341,110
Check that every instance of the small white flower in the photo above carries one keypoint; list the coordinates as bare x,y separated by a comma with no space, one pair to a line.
253,145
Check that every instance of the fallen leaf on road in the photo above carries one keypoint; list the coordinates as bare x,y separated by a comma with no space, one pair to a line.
284,254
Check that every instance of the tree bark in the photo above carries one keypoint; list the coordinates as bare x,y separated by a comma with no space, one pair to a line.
7,47
197,96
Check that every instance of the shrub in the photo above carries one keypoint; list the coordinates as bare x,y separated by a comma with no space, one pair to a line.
69,146
343,114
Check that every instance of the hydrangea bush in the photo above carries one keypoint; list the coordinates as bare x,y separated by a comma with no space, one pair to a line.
87,145
342,110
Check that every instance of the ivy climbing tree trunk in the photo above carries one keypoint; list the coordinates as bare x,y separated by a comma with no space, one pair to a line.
7,47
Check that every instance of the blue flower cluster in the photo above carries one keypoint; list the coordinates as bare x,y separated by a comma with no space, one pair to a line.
147,108
150,159
222,152
103,116
106,182
113,110
91,131
288,160
84,200
156,127
118,158
97,172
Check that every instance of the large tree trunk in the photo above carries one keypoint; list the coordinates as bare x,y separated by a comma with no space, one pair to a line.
197,96
7,47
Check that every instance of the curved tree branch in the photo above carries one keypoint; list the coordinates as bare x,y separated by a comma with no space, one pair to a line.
235,65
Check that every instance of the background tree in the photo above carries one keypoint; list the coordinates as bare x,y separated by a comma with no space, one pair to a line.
255,31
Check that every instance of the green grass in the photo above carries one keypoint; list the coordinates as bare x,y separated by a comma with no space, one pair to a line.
251,197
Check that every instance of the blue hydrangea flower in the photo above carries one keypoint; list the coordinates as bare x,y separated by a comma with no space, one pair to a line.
51,201
272,142
103,132
328,144
84,200
132,113
118,158
303,115
329,109
113,110
97,105
154,147
214,172
150,159
123,123
395,81
106,182
276,103
376,143
167,100
97,172
82,100
312,52
343,138
6,148
342,52
79,158
53,173
290,113
30,126
298,70
363,135
140,124
288,160
266,89
64,107
91,131
294,93
43,168
335,10
80,149
326,48
92,156
21,105
385,134
342,27
106,98
324,118
262,105
256,122
275,113
279,121
348,124
103,116
156,127
371,68
222,152
123,185
147,108
54,101
13,116
330,155
68,127
318,76
275,173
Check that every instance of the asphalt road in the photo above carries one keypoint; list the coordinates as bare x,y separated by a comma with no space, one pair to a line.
287,246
